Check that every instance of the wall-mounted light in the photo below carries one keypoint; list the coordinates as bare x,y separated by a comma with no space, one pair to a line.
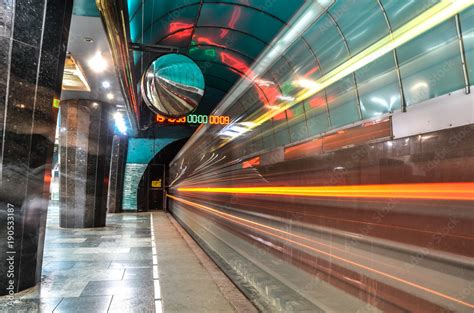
120,123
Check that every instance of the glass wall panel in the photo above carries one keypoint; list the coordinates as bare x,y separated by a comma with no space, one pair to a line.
268,138
467,25
342,102
430,64
378,87
250,100
282,137
317,114
297,123
327,43
362,22
399,12
280,129
283,74
303,61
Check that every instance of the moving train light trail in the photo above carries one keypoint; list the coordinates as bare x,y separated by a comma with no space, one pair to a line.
286,236
370,224
432,191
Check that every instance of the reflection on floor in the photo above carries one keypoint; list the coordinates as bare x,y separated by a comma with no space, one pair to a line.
116,269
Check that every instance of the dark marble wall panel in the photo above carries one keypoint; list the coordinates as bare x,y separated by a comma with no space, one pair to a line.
117,171
85,146
6,18
28,16
33,37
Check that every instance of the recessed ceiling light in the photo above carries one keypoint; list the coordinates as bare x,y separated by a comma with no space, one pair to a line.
106,84
88,39
110,96
97,63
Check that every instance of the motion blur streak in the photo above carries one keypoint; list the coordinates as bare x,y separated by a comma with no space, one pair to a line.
248,223
433,191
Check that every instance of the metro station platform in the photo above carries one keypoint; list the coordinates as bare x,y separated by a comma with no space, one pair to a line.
127,266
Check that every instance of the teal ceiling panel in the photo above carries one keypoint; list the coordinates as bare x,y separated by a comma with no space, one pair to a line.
282,10
85,8
244,43
224,37
240,18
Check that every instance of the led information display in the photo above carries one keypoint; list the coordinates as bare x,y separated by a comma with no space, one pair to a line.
195,119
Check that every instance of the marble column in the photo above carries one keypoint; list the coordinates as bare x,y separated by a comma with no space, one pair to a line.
33,37
85,135
117,171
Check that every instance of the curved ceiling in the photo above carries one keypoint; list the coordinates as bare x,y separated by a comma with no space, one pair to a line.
223,37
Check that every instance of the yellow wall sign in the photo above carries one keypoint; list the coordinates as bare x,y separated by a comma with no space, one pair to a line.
56,103
156,183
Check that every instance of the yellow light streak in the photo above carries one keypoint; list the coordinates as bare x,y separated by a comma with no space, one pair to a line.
430,191
417,26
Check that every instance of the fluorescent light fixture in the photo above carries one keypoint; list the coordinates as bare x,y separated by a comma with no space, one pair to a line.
97,63
120,123
306,83
236,130
286,98
264,83
419,85
106,84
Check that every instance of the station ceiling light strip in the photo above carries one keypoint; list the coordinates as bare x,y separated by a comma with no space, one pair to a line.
463,191
417,26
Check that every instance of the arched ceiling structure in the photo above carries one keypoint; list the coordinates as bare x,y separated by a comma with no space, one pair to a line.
321,63
223,37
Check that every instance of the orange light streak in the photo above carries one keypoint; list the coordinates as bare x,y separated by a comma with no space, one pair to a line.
344,260
432,191
273,208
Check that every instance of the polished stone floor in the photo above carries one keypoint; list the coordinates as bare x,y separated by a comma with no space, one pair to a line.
127,266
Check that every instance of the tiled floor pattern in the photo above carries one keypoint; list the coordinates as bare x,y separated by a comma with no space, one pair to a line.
116,269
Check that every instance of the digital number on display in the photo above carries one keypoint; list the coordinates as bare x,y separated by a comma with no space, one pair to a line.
195,119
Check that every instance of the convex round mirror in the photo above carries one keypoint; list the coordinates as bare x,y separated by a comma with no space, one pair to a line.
173,85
